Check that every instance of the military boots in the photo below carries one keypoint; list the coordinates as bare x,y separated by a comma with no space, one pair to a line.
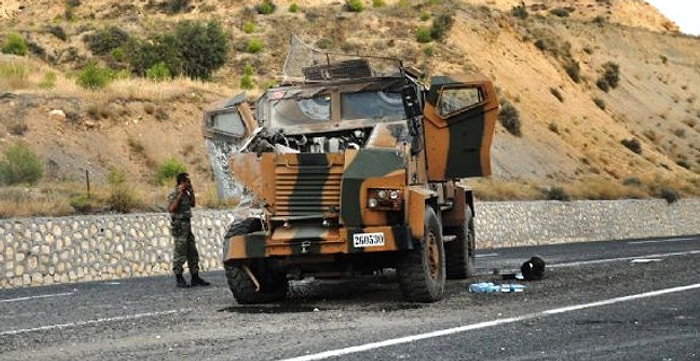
180,281
197,281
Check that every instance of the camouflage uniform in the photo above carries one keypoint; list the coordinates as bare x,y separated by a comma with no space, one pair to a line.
181,229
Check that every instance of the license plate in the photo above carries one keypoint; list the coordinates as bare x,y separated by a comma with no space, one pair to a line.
361,240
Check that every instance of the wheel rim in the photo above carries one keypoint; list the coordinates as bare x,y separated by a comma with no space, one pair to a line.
433,255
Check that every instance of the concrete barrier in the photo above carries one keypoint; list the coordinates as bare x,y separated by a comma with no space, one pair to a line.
42,251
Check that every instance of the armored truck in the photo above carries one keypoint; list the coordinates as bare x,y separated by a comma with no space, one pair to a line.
352,169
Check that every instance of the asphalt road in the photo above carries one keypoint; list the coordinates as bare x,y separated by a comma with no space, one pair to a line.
623,300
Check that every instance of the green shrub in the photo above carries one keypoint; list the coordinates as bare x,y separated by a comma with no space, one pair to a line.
556,194
573,69
600,20
324,43
423,35
254,46
442,23
159,72
557,94
121,197
14,44
20,165
117,54
632,182
611,74
246,82
57,31
378,3
509,118
683,163
247,78
519,11
560,12
48,81
248,27
266,7
168,170
94,77
633,145
354,5
70,6
176,6
670,195
424,16
600,103
193,49
602,85
293,7
102,42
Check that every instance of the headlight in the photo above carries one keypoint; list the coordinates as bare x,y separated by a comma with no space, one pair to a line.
372,203
384,199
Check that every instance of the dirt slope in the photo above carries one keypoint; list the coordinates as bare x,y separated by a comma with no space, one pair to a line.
136,125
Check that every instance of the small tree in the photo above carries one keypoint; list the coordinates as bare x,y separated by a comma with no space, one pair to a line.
202,47
20,165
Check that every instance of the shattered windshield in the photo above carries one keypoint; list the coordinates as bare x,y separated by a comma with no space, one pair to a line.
296,111
380,105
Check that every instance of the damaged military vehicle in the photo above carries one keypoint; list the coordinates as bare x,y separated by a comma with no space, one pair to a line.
354,166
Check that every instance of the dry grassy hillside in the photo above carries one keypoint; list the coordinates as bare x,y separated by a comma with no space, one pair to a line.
571,131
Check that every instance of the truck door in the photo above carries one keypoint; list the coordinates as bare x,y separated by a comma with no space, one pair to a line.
226,127
459,118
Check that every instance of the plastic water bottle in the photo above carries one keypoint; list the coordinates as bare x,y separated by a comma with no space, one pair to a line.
512,287
484,287
490,287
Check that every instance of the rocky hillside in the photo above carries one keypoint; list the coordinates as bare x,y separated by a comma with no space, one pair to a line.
604,91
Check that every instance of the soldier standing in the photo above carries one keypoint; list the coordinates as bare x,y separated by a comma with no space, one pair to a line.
180,203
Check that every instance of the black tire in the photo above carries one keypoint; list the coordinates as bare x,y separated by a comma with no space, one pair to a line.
460,253
273,284
421,271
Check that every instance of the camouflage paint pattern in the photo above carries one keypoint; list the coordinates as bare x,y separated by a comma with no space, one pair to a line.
316,202
459,145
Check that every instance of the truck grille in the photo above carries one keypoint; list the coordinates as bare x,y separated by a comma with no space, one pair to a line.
311,187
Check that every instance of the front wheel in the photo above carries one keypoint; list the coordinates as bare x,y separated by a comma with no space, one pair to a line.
421,271
272,284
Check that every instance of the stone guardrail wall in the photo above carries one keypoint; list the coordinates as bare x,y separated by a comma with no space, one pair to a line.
42,251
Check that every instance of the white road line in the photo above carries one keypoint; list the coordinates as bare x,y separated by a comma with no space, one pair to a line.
620,259
663,240
485,255
91,322
476,326
34,297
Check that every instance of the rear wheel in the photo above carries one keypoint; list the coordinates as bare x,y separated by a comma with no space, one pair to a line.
273,285
421,271
460,253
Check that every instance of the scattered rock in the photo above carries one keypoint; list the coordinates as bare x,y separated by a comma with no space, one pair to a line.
57,115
